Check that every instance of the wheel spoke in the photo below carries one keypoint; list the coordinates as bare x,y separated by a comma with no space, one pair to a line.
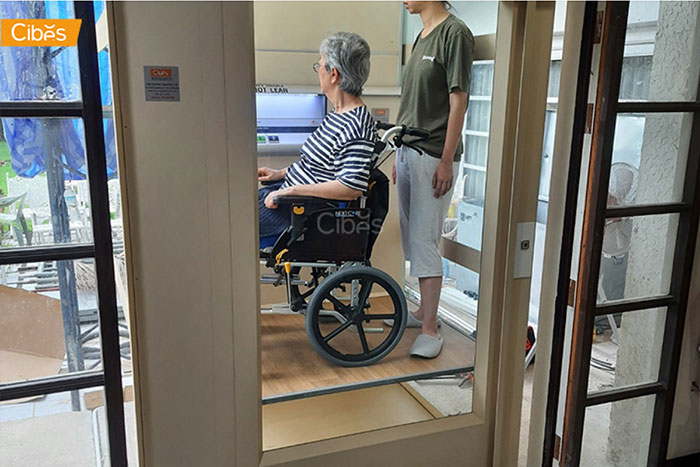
384,316
337,330
338,303
363,338
307,293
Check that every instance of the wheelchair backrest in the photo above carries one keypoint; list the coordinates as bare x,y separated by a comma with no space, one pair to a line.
378,204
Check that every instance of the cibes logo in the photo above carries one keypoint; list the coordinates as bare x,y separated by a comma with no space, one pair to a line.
39,32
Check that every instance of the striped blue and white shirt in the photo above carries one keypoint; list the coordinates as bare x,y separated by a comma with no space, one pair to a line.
340,149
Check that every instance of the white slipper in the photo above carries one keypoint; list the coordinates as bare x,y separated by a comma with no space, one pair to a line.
412,322
427,346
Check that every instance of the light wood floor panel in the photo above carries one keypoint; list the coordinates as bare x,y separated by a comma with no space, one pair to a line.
330,416
289,363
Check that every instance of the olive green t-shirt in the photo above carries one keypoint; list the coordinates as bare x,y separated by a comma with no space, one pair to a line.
439,64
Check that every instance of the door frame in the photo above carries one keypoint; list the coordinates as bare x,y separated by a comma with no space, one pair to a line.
596,212
518,42
235,429
571,130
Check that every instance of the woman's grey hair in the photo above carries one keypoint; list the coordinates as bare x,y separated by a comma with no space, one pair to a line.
348,53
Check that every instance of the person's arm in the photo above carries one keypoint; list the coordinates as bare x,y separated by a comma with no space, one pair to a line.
328,190
442,179
459,55
266,174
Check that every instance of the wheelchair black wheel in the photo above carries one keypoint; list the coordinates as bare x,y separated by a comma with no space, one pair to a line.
358,336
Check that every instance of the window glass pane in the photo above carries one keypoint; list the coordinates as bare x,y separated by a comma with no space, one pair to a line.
637,257
617,434
554,79
462,233
49,319
476,149
471,180
285,375
650,152
626,349
38,73
45,195
478,115
634,82
547,156
460,294
661,50
482,79
57,429
473,185
463,227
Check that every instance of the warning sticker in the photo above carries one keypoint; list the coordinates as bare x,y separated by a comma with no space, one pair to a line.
162,83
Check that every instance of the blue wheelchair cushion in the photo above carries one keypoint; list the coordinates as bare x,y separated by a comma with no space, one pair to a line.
268,241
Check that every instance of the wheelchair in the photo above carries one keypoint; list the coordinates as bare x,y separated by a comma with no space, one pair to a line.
323,259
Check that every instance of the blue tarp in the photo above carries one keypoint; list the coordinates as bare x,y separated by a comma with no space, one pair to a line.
20,74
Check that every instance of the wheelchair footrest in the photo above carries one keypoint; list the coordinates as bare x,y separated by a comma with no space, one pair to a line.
278,279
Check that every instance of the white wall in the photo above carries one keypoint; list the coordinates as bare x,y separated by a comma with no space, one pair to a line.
288,36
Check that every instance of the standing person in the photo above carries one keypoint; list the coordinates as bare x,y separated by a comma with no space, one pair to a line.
434,97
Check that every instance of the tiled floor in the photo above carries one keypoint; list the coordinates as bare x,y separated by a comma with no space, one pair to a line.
58,439
46,432
39,407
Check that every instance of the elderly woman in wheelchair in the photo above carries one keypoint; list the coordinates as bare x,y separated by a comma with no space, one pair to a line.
324,213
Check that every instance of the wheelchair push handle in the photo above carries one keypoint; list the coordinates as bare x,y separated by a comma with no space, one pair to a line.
418,133
385,126
392,139
403,130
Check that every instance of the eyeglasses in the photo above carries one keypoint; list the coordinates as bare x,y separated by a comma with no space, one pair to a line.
317,66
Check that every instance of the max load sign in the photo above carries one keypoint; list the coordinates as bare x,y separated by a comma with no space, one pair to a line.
162,83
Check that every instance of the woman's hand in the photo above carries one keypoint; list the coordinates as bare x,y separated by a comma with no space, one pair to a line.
393,173
266,174
442,178
270,198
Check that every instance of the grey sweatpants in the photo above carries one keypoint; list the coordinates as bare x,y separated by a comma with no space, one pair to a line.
421,215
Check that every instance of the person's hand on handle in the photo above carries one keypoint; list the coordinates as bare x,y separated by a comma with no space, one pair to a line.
442,178
266,174
270,200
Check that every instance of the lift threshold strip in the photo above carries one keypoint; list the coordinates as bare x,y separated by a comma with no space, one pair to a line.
367,384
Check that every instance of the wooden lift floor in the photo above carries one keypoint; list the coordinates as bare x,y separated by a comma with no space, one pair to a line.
290,364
